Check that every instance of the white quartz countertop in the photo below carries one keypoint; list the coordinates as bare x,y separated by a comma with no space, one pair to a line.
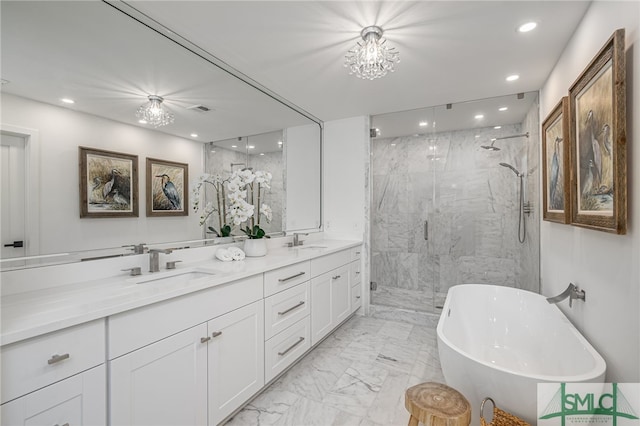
33,313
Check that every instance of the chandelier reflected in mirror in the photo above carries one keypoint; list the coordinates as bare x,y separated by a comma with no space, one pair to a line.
154,113
371,58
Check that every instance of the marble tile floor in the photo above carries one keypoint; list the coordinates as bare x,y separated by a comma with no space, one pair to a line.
355,377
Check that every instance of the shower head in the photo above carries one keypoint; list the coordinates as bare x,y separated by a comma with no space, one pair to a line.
491,147
512,168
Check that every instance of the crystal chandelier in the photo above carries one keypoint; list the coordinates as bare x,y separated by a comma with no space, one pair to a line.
371,58
154,113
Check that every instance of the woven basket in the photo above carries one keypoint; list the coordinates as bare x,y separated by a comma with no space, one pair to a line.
500,417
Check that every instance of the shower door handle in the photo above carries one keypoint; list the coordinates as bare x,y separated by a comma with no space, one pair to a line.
426,230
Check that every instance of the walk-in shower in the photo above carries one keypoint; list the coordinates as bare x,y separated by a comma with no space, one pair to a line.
522,225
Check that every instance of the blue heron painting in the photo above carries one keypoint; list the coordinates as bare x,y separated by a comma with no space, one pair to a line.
166,194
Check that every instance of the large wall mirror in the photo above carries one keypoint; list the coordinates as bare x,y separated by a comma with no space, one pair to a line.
108,58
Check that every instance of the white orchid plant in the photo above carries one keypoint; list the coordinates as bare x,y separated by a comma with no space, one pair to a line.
239,200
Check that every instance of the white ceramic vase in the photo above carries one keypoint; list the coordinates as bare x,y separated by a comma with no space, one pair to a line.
255,247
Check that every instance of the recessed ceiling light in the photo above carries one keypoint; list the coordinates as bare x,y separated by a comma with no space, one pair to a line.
479,116
213,152
393,144
279,142
251,147
527,26
68,101
477,136
194,135
423,124
234,146
497,127
262,153
142,121
513,77
503,108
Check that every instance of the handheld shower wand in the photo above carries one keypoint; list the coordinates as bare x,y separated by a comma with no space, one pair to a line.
522,225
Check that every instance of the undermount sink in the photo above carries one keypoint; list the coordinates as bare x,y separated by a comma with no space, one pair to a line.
176,278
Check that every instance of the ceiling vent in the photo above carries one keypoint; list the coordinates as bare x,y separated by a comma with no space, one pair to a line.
199,108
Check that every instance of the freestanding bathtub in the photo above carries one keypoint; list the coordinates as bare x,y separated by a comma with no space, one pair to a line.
500,342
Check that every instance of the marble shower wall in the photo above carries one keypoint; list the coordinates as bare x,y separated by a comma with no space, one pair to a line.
471,204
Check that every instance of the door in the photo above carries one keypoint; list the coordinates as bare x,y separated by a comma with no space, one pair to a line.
340,295
321,318
164,383
78,400
12,167
236,359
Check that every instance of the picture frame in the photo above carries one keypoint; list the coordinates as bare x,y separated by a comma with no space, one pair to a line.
108,183
598,141
556,170
167,191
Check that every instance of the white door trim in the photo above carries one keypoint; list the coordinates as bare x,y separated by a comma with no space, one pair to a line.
32,184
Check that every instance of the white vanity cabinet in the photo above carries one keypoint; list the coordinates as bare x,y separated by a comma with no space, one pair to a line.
287,326
235,359
205,360
330,293
55,378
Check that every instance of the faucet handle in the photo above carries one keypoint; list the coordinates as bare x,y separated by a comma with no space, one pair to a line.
172,264
138,248
136,270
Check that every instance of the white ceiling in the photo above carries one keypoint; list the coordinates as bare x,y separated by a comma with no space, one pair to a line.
450,51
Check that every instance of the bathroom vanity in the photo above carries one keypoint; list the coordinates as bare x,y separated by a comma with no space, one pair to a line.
185,346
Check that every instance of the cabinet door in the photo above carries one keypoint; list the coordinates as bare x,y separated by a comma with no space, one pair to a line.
340,295
78,400
236,359
164,383
321,323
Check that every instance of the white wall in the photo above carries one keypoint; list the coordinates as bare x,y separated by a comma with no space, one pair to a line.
345,157
61,132
345,183
605,265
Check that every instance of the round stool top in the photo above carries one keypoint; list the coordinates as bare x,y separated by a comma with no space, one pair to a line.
436,404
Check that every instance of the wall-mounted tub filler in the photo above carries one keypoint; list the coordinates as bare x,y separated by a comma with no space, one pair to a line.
572,292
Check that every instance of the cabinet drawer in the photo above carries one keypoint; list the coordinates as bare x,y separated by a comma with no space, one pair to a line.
285,308
38,362
283,349
356,253
78,400
326,263
356,297
140,327
284,278
355,273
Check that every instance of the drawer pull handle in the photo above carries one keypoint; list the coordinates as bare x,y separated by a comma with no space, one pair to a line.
336,277
216,333
66,424
57,358
357,297
299,274
205,339
283,353
291,308
357,272
357,253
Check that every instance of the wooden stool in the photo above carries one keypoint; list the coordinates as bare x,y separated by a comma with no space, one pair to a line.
435,404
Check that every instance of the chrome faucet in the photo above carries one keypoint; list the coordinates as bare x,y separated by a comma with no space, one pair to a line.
572,292
154,258
296,239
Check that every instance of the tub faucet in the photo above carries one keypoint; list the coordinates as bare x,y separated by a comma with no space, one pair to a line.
154,258
572,292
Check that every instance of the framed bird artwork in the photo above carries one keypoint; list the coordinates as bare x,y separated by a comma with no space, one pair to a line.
556,171
167,193
108,184
598,141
